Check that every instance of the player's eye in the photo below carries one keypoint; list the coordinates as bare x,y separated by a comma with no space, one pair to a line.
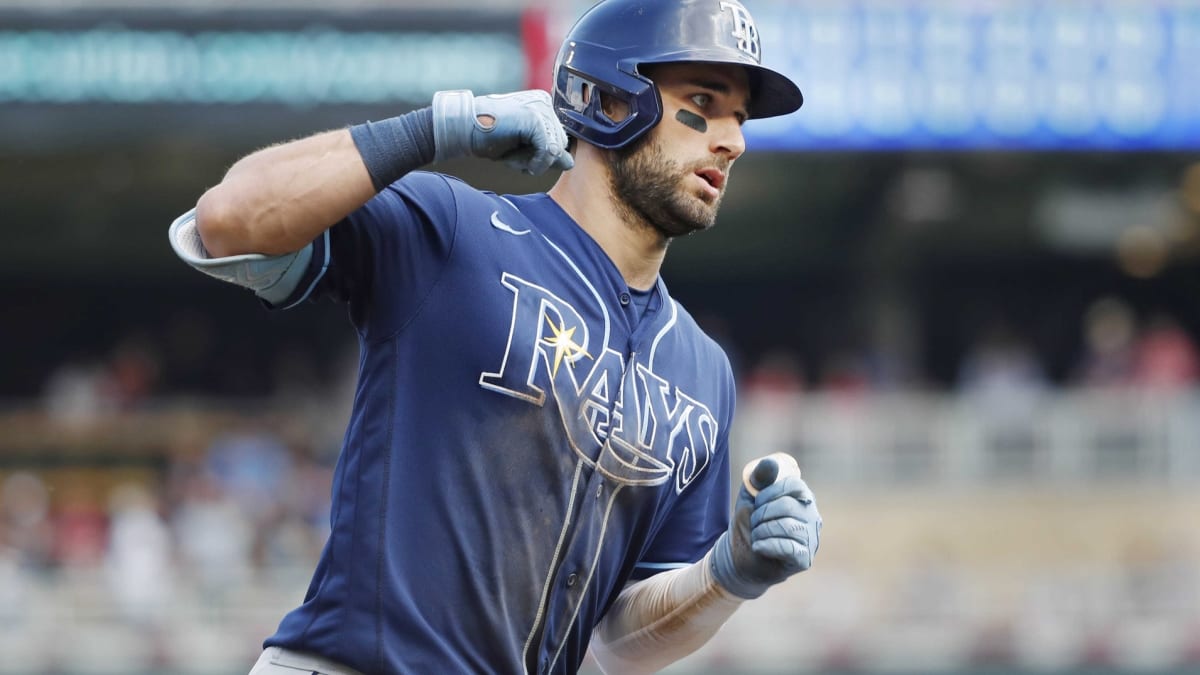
702,101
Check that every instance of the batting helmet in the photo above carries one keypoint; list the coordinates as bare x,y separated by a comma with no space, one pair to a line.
604,48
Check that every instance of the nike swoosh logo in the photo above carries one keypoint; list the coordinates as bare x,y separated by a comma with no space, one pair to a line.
505,227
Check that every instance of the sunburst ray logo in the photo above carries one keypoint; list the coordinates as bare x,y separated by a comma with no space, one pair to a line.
564,345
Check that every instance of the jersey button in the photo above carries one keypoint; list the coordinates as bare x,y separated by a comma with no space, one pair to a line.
625,299
572,578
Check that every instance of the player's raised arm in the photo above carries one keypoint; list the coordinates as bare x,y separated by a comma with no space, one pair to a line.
254,227
278,199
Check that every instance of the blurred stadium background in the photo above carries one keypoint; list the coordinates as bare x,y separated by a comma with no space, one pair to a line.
960,286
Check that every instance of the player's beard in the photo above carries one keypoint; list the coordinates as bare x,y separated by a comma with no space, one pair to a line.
651,190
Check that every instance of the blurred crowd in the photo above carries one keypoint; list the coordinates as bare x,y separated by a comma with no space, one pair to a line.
246,501
1120,348
173,556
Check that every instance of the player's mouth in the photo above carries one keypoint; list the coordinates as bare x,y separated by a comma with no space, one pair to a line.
714,180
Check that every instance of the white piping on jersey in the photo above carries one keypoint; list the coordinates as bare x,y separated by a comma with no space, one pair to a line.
586,282
662,333
612,498
562,537
662,566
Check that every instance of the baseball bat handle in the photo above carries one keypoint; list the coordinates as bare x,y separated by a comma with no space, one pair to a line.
762,473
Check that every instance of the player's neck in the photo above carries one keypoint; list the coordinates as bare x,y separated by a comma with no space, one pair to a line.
635,248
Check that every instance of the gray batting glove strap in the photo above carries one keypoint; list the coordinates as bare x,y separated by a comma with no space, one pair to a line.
773,536
519,129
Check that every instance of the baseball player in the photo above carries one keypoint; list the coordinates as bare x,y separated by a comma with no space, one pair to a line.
537,461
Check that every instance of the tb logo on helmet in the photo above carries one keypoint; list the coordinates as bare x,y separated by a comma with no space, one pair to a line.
744,29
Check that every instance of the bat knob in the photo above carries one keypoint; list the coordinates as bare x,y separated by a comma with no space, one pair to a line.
764,474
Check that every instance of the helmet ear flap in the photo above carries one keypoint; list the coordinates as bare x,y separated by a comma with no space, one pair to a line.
602,106
613,108
576,92
586,98
608,113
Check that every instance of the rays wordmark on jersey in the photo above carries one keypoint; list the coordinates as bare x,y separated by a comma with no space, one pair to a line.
622,417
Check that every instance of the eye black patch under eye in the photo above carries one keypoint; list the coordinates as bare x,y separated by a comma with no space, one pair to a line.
691,119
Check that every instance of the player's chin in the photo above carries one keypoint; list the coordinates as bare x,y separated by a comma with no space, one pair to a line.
707,205
705,197
703,216
682,219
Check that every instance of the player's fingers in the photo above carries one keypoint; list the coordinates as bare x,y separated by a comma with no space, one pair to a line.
782,528
784,507
558,145
551,141
539,162
540,145
533,154
791,554
519,158
563,160
790,486
805,529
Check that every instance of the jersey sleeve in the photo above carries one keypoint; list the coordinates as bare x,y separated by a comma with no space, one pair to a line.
383,259
702,513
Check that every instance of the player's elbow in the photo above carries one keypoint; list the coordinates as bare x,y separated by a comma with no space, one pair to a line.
221,225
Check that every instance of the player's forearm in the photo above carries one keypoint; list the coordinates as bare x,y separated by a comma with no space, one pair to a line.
278,199
659,620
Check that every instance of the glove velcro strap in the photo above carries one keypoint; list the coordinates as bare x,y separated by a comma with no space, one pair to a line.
725,572
453,122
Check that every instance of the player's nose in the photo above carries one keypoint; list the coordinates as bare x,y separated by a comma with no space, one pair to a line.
727,138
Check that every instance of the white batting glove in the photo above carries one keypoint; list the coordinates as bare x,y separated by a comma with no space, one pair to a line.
775,532
519,129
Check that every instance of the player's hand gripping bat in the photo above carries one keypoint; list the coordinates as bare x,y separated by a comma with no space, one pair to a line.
775,532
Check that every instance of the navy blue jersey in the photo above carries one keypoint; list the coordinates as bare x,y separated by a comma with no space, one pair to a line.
523,441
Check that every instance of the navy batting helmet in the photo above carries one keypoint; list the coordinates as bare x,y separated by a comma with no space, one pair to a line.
603,50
